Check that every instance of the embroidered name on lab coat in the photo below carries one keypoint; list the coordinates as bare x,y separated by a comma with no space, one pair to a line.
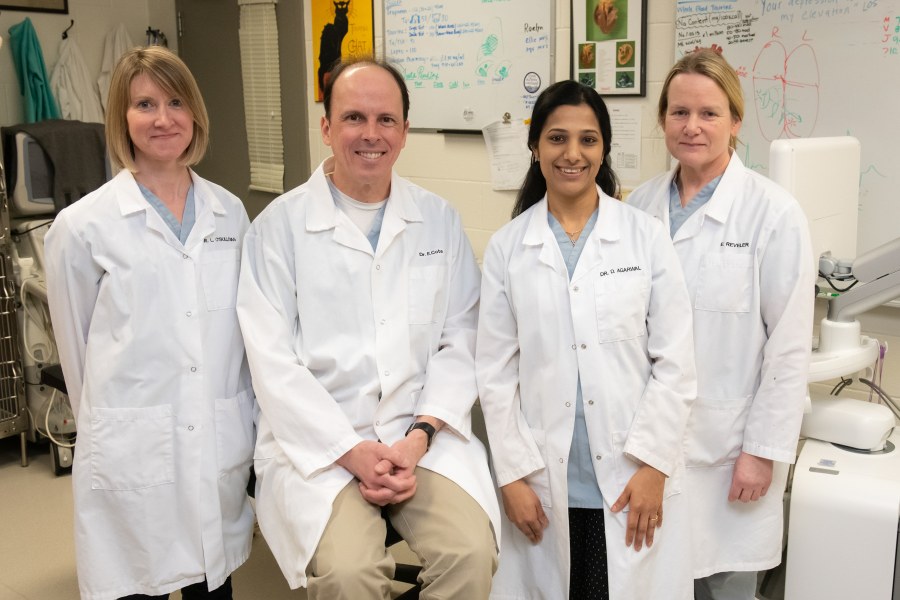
734,244
222,238
430,252
620,270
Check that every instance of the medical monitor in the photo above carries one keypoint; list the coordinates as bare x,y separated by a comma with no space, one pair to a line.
33,191
823,175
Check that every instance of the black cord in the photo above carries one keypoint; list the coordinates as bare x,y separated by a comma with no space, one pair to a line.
839,387
834,287
30,229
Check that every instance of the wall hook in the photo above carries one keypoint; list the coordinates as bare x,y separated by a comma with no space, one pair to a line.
65,34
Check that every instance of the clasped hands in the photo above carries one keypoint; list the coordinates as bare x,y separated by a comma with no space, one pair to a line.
386,474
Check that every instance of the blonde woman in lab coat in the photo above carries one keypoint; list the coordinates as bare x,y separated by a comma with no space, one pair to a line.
744,247
142,280
586,376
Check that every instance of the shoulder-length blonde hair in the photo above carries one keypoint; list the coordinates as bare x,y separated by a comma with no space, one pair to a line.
709,63
171,74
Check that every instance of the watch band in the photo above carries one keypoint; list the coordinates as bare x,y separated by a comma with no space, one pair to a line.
428,428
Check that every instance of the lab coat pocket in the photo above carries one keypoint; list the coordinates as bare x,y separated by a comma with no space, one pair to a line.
540,480
725,283
219,271
426,293
622,310
715,431
132,448
234,433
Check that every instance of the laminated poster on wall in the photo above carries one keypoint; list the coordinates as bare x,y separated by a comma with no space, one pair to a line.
608,49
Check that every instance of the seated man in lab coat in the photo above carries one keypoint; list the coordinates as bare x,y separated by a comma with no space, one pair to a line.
358,303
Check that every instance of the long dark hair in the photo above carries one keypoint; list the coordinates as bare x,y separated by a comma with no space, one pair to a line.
562,93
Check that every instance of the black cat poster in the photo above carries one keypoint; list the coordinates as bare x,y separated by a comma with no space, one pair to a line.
341,28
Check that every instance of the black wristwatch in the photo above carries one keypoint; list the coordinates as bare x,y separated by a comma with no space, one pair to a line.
427,428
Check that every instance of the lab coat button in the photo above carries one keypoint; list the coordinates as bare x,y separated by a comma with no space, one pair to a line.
575,289
574,347
382,321
190,427
598,457
188,313
584,346
562,460
387,373
568,404
185,256
377,267
378,422
193,369
591,402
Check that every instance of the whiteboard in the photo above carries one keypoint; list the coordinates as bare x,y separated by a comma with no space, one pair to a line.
814,68
468,62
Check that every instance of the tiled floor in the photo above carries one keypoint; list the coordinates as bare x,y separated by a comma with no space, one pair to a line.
37,552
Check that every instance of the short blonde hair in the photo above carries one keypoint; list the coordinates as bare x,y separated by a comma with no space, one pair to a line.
710,63
171,74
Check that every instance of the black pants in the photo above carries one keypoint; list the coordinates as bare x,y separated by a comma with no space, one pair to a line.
587,545
195,591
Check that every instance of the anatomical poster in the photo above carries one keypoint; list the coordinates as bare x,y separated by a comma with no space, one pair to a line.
340,29
608,51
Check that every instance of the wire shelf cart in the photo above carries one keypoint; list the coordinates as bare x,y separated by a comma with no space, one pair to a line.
13,415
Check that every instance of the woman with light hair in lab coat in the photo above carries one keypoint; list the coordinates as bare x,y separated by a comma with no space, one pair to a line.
142,281
585,370
744,247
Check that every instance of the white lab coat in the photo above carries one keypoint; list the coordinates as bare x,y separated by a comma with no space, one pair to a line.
73,86
748,264
331,327
155,369
623,323
117,43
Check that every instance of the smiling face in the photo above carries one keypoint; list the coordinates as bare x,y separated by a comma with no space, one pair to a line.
160,126
698,125
366,131
570,152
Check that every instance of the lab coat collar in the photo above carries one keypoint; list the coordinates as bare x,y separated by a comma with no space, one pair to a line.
538,233
206,206
323,214
131,200
717,208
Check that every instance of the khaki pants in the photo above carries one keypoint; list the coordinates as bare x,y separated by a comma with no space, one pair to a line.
444,526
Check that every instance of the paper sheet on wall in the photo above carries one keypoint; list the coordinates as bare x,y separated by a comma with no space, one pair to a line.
507,148
625,152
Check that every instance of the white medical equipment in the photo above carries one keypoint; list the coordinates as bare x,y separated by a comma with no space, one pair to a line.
845,497
32,210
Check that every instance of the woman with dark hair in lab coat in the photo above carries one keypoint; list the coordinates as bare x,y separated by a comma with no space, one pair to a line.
585,371
142,280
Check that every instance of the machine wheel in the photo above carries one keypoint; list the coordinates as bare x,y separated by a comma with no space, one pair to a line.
60,459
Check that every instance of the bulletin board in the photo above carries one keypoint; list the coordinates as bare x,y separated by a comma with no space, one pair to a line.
467,63
814,69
